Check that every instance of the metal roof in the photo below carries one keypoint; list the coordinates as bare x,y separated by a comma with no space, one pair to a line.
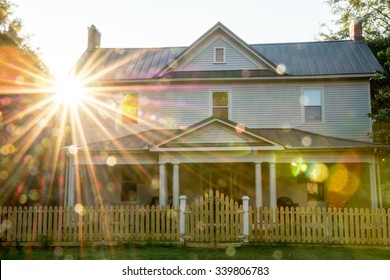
299,59
289,138
322,58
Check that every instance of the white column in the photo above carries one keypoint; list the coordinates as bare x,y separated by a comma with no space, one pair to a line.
70,182
163,185
272,184
259,187
71,187
175,185
374,201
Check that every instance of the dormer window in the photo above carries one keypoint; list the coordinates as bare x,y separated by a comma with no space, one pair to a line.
219,55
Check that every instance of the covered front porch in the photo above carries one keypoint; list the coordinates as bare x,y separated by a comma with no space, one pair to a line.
307,182
157,166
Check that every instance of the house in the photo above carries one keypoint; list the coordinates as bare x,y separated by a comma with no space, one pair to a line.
262,120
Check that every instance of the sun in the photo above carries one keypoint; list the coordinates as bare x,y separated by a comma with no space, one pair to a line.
69,91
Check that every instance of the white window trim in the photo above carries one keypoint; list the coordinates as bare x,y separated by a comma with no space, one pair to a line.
215,55
229,101
321,89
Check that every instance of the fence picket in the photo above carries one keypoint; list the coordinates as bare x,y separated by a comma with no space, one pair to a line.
212,218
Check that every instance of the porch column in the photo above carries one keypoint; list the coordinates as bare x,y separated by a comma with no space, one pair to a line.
374,200
259,187
175,185
272,184
163,185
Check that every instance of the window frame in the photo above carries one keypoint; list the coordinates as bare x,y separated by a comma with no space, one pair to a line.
128,183
321,105
215,55
228,92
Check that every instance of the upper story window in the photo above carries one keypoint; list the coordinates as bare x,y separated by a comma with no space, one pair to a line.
312,105
220,104
128,111
219,55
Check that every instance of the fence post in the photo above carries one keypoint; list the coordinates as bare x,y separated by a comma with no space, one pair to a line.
245,206
183,200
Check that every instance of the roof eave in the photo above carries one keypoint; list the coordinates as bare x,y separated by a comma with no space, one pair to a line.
281,77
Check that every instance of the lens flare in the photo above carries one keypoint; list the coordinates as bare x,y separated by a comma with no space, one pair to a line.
69,91
317,172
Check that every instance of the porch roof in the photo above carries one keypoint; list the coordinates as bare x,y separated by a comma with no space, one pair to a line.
288,139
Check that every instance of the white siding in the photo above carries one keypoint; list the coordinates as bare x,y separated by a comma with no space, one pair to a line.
173,109
217,135
267,105
346,112
204,60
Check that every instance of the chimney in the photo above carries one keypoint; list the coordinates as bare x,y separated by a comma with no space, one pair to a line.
356,29
93,38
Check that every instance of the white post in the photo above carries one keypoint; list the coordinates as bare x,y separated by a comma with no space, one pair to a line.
245,206
183,201
259,190
162,186
374,201
66,187
175,186
272,184
71,187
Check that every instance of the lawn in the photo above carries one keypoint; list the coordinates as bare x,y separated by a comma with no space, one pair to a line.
172,252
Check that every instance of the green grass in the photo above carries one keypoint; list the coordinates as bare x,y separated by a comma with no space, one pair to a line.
171,252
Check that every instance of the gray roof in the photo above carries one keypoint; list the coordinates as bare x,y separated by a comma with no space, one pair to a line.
321,58
288,138
299,59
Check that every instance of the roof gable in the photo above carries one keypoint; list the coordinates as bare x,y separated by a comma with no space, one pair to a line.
199,56
214,133
325,58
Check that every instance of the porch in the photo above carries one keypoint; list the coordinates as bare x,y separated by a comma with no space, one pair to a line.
218,154
321,185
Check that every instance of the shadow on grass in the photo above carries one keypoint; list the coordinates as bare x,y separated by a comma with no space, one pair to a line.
175,252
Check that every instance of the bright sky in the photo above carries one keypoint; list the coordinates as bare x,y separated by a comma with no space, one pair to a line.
59,27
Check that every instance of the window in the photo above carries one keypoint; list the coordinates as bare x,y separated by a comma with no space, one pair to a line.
315,191
219,55
221,104
129,190
312,105
128,111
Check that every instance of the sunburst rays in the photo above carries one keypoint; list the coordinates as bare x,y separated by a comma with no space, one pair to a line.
41,109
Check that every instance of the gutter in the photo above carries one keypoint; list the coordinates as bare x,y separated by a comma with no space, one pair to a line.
162,80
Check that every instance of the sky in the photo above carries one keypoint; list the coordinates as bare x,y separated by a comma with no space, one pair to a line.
59,28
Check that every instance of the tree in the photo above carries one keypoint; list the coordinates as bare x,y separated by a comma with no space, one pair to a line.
376,31
28,138
374,13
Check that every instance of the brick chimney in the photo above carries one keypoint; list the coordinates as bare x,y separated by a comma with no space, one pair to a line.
356,29
93,38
